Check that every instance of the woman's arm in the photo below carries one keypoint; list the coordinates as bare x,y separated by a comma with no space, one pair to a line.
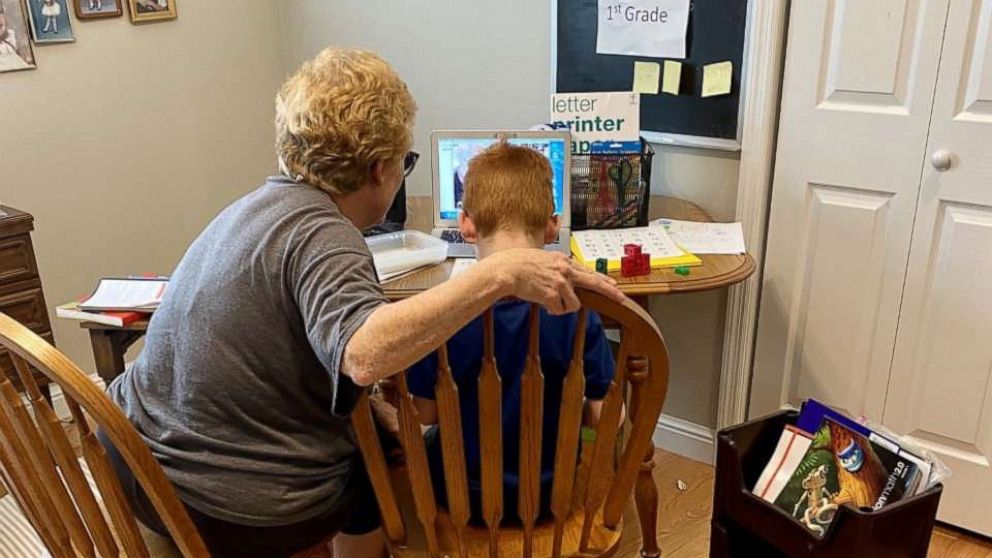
399,334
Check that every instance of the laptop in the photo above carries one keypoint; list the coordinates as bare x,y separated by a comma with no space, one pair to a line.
452,150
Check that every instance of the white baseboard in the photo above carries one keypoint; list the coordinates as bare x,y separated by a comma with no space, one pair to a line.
685,438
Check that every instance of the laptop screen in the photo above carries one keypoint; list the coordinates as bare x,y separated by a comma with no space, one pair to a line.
453,155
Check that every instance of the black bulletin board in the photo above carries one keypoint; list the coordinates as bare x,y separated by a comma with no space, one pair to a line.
715,34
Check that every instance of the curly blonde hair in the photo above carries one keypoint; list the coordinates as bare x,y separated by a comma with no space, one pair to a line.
339,114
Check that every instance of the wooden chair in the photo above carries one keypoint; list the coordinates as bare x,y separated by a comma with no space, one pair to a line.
40,467
587,509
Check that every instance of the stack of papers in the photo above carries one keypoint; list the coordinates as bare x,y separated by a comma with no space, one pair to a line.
124,295
705,238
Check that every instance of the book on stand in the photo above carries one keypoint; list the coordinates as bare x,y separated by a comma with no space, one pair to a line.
71,311
828,460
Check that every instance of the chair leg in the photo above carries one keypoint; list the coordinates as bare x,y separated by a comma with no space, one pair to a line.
646,498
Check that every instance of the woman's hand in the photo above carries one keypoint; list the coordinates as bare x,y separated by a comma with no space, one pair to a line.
547,278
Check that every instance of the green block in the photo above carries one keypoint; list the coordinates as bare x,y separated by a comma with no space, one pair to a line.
588,434
682,270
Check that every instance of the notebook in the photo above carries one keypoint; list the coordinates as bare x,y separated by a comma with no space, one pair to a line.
590,245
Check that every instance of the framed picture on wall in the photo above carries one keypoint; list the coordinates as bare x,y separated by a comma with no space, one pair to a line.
152,10
50,21
15,39
97,9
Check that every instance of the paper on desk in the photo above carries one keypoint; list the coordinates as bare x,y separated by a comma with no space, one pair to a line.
705,238
608,243
460,265
126,294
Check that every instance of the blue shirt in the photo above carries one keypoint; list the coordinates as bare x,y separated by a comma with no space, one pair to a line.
511,336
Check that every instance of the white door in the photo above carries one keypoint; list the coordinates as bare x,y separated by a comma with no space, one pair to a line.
857,95
941,385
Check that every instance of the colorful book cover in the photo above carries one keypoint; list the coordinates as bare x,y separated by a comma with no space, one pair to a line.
812,417
842,466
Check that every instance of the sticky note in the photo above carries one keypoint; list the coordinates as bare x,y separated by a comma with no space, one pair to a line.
646,75
717,78
672,78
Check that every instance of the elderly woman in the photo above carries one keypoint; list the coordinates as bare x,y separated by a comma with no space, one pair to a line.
274,321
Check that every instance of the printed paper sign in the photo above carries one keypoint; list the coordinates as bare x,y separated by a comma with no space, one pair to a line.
608,117
654,28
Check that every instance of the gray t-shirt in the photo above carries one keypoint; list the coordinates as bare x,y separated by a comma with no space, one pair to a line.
238,391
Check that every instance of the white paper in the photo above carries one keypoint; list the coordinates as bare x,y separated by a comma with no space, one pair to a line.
705,238
654,28
460,265
124,293
602,243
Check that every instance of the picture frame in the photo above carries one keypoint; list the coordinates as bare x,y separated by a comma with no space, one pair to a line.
16,52
97,9
144,11
50,22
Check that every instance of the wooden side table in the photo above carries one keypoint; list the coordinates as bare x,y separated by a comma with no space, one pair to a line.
21,296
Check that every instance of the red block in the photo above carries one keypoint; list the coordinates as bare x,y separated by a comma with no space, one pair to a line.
631,249
635,265
628,266
645,264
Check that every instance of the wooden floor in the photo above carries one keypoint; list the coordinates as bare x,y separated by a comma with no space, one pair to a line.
683,526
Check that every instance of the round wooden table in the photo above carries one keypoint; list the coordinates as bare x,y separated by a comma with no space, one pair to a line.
716,271
110,343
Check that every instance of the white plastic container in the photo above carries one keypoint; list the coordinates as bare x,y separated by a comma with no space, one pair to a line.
399,252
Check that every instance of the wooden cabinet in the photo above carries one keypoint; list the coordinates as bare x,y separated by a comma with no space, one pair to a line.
21,296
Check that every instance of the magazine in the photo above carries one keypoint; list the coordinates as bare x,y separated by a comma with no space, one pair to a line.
843,466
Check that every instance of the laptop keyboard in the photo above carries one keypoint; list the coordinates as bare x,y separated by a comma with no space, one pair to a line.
452,236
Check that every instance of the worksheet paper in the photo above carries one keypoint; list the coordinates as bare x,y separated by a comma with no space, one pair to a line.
653,28
608,244
704,238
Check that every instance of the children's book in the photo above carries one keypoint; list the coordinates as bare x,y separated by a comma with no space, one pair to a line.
843,466
126,294
71,311
814,413
789,452
590,245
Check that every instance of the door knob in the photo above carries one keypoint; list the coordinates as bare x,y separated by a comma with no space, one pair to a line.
941,160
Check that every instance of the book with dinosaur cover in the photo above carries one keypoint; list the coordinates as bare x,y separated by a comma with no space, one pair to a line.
843,466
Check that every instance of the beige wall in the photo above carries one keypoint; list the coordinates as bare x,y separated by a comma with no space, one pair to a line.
124,144
486,64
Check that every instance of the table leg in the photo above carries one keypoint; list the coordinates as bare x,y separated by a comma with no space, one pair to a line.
646,491
109,347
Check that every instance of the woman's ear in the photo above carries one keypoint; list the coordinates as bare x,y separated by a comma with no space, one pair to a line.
377,174
467,227
551,231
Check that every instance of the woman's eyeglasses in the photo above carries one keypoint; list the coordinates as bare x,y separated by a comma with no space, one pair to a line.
410,162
